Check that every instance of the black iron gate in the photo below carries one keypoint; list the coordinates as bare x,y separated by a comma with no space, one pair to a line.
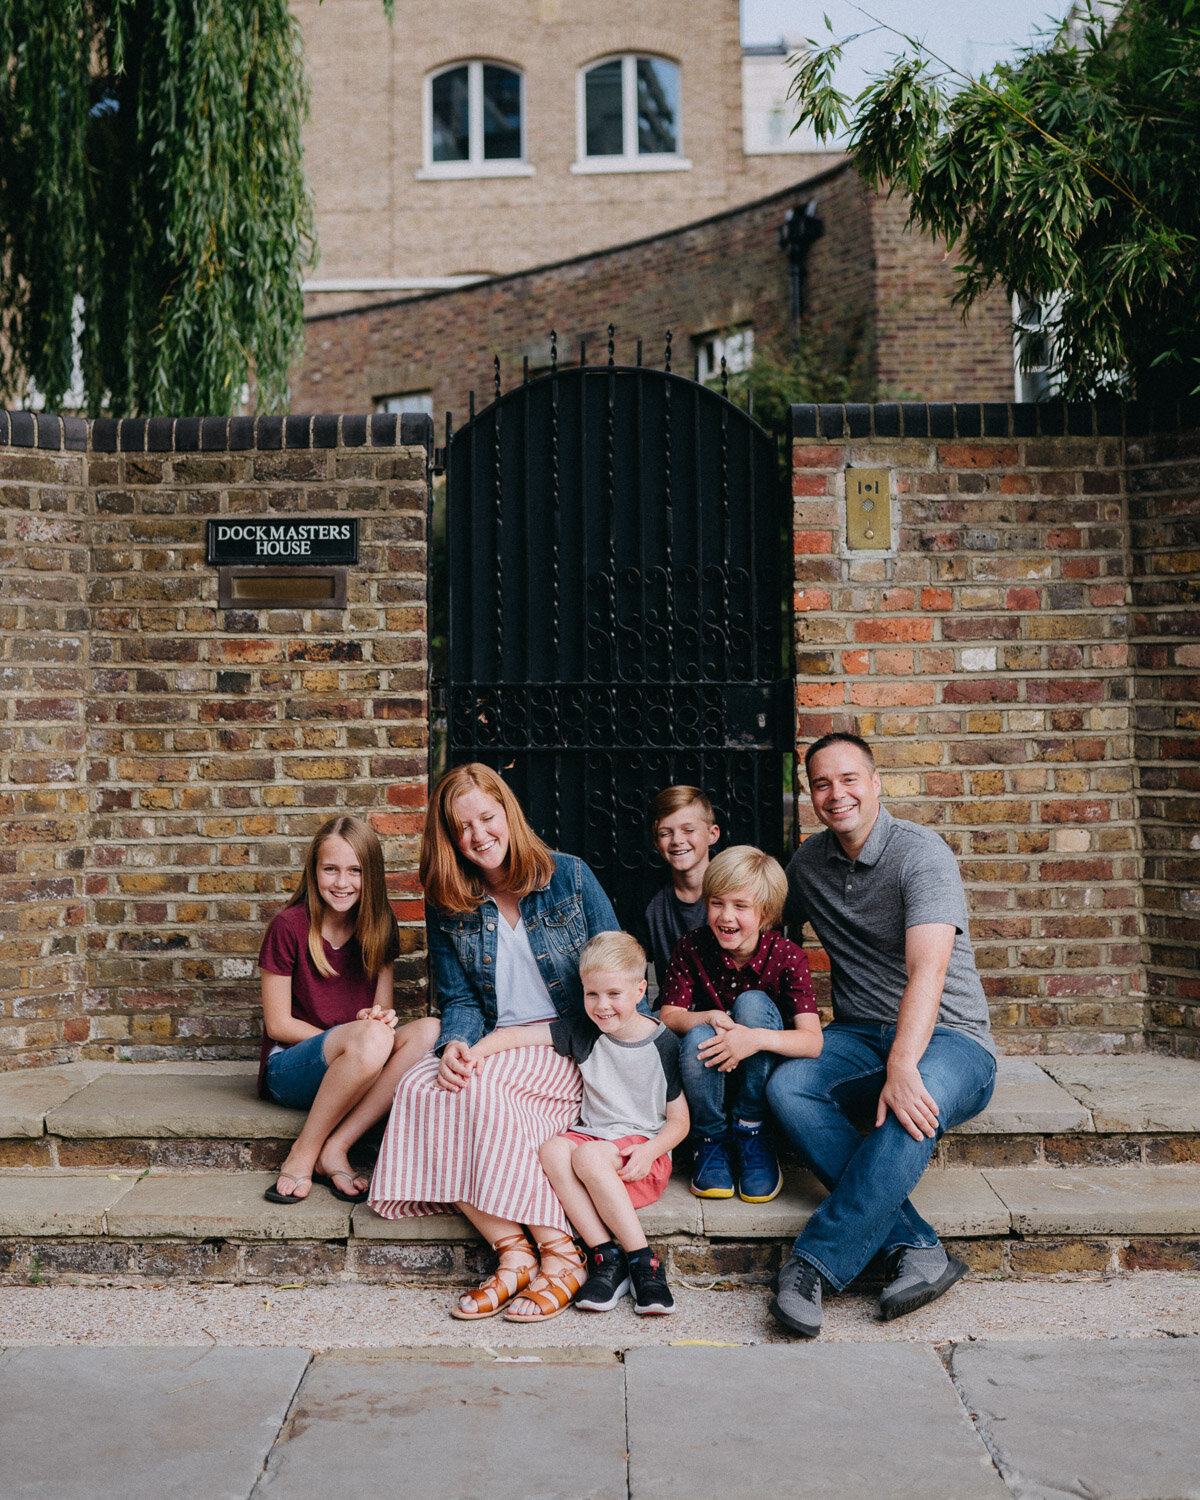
615,611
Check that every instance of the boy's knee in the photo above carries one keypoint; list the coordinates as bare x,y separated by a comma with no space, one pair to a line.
592,1157
756,1008
691,1042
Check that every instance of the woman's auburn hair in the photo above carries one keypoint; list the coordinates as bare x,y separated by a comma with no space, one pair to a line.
374,923
450,881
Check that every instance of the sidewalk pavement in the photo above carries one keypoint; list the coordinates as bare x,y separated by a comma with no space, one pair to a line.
1043,1419
944,1405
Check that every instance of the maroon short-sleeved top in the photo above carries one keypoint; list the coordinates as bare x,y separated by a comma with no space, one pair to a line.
702,976
319,1001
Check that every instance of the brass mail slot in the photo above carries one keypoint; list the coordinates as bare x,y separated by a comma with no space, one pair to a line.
279,588
868,509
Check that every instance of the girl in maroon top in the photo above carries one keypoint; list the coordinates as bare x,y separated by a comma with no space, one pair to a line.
329,1029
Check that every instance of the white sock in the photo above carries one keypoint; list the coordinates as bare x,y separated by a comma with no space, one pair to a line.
750,1124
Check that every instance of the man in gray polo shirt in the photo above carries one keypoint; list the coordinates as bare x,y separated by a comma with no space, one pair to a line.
908,1048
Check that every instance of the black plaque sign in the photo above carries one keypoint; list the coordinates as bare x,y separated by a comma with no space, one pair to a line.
305,541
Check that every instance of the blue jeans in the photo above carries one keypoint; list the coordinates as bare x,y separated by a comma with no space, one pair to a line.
869,1178
294,1075
704,1088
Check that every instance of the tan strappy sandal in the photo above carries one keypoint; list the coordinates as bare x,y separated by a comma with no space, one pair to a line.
553,1293
495,1291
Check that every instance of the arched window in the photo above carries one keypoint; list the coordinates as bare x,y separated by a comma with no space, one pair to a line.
629,116
475,121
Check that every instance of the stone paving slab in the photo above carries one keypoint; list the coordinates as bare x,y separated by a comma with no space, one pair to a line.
514,1427
1100,1200
678,1211
366,1224
783,1217
58,1204
176,1103
226,1205
807,1421
1027,1101
960,1202
130,1424
26,1094
1143,1093
1111,1419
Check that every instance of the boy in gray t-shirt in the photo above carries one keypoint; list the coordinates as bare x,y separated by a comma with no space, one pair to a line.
616,1158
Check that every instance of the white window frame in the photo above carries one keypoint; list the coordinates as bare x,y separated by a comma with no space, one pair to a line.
629,160
735,346
477,165
407,403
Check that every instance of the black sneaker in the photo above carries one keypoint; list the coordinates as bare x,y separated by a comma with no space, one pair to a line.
797,1301
651,1294
608,1278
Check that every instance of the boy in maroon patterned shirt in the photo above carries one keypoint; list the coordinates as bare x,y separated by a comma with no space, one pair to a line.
740,997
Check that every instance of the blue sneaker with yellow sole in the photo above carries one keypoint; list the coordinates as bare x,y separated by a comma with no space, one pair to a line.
759,1177
712,1175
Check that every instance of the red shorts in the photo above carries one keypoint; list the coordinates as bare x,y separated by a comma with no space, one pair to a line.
650,1188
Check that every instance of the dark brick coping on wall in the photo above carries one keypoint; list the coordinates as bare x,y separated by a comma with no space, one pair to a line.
26,429
993,419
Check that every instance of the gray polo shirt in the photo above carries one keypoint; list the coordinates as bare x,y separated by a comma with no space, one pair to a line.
860,910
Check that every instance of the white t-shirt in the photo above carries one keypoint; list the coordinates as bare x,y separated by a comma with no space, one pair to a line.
521,994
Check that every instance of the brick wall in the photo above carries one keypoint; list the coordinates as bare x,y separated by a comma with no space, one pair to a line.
1164,503
43,755
708,276
166,760
986,657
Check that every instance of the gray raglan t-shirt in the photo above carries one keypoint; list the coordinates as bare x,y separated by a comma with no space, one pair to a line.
626,1085
860,910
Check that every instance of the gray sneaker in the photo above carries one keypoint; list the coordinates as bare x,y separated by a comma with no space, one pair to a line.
918,1274
797,1300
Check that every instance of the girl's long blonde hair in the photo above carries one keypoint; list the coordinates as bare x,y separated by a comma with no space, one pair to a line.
374,923
450,881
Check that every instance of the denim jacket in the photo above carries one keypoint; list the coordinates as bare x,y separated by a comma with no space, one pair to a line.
559,918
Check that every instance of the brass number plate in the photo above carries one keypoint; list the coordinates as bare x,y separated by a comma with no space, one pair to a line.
868,509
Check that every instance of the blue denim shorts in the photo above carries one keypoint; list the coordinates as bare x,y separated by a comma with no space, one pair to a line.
294,1075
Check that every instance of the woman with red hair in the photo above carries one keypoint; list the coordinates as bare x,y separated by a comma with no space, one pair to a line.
507,919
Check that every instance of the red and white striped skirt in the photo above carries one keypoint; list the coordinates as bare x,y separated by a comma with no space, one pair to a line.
479,1145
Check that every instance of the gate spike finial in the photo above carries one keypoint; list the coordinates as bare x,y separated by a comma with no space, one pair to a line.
639,354
611,347
724,378
525,368
553,352
667,366
496,374
471,404
583,354
696,369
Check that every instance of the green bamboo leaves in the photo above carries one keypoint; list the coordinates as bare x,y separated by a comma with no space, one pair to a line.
1070,177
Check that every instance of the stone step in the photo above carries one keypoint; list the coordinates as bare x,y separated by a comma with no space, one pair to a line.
1070,1111
218,1226
126,1170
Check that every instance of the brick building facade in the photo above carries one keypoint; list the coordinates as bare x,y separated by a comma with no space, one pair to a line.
386,209
875,294
165,760
1022,660
1023,656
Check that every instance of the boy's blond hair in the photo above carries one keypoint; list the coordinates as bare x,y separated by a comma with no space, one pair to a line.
745,868
673,799
617,952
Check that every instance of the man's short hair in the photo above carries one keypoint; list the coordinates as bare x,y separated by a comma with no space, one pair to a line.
745,868
838,737
673,799
617,952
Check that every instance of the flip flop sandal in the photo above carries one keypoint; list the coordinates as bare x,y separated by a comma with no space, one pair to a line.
273,1195
330,1181
494,1293
553,1293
